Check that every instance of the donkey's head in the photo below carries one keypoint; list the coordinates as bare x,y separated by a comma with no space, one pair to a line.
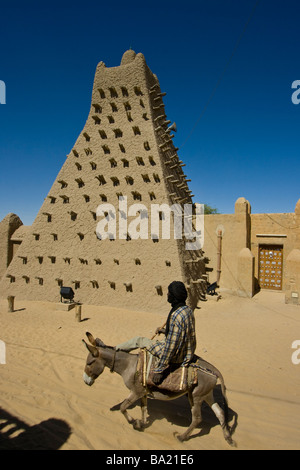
94,364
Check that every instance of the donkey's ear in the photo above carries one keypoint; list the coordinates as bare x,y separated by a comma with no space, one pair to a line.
92,349
91,338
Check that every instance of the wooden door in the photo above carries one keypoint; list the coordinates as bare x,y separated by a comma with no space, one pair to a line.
270,266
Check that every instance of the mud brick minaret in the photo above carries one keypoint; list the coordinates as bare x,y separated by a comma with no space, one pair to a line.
124,151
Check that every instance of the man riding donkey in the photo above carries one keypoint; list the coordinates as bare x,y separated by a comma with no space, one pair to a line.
178,347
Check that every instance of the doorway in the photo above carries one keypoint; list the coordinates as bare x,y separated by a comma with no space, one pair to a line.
270,266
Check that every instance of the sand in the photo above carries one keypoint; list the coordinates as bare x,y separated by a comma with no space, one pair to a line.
44,403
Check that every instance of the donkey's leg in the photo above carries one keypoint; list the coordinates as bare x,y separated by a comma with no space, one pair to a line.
144,410
209,399
196,403
133,397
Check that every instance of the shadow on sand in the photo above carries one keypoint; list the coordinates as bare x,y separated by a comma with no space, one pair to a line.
178,412
17,435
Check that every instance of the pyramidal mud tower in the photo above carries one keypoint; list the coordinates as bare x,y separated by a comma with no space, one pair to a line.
123,161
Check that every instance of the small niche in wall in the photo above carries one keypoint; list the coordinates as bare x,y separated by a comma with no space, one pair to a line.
98,108
113,92
118,133
59,282
80,235
113,107
136,196
138,91
129,180
97,120
137,261
124,91
136,130
103,134
67,260
86,136
106,149
80,182
98,261
63,183
52,259
128,286
49,216
11,278
36,236
55,237
122,148
146,178
101,180
168,263
40,280
27,279
93,165
65,199
79,167
112,284
101,93
40,259
140,161
95,284
73,215
115,180
113,163
159,290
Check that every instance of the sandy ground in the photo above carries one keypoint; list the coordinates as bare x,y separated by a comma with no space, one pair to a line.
44,402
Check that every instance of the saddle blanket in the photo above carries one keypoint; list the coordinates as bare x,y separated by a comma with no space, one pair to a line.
175,378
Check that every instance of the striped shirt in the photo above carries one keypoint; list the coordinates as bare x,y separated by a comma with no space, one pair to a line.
180,343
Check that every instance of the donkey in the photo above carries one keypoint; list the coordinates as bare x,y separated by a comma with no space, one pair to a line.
125,364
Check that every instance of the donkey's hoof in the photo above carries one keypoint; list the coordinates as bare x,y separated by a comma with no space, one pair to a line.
231,442
180,437
138,425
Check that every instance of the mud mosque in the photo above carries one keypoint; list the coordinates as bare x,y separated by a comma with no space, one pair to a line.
126,149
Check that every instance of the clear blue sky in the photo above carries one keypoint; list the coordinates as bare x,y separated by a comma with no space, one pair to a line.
248,138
